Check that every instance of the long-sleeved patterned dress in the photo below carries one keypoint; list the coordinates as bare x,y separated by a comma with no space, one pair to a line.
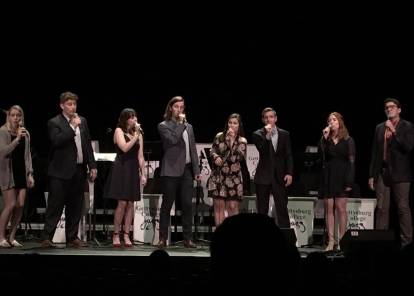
226,180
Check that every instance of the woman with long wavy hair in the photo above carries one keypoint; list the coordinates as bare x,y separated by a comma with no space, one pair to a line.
16,173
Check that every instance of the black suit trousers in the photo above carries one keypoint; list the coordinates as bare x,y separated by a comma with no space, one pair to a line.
280,199
68,194
184,187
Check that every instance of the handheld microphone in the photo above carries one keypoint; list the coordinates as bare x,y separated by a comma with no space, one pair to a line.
74,115
388,119
139,128
21,125
183,118
326,131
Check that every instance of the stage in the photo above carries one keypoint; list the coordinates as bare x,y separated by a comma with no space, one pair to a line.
104,249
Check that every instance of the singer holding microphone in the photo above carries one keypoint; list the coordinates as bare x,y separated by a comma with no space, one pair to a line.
127,175
179,168
16,173
275,168
226,182
70,159
338,156
390,169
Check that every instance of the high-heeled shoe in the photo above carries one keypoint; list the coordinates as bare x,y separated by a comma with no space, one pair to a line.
127,241
116,242
330,246
4,244
16,244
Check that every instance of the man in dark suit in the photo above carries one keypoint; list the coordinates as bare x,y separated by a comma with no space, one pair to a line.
390,168
275,168
179,168
70,156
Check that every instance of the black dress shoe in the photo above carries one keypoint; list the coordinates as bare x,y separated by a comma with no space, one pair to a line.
162,243
189,244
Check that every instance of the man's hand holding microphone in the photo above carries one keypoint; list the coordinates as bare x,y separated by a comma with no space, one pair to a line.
268,129
75,120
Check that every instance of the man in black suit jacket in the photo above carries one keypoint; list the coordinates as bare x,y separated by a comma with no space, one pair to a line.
275,168
390,168
70,156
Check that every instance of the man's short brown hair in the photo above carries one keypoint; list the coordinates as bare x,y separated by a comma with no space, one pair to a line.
66,96
268,109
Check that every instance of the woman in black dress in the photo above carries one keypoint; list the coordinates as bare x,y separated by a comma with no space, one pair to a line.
338,154
124,183
16,173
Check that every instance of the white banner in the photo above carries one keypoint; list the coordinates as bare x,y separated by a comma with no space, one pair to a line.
60,236
361,213
147,219
301,215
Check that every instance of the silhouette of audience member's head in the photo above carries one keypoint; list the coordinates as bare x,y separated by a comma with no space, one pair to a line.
160,264
159,279
249,251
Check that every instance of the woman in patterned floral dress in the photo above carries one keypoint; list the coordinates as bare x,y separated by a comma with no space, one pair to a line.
226,183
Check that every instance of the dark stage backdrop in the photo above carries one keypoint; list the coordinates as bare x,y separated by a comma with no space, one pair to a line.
303,64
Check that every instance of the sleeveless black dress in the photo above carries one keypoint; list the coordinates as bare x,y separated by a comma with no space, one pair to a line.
123,182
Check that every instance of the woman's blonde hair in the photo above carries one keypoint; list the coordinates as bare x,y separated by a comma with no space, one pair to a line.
18,108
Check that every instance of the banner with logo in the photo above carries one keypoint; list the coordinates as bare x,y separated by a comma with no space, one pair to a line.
147,219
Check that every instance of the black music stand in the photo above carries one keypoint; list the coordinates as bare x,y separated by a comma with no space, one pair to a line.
200,197
152,151
104,168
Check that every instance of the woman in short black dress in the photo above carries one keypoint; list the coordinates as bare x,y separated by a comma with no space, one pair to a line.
338,154
125,180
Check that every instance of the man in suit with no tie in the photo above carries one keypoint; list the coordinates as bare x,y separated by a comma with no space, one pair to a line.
70,157
179,168
275,168
390,169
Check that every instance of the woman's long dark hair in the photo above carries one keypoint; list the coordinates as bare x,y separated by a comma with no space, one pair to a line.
126,114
